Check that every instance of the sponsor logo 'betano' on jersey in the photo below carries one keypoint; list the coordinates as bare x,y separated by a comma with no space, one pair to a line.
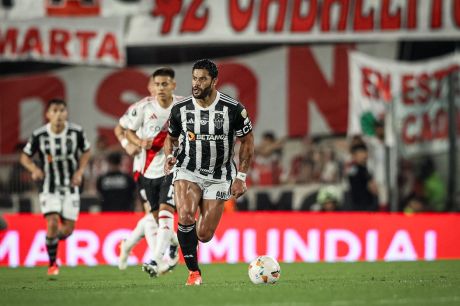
209,135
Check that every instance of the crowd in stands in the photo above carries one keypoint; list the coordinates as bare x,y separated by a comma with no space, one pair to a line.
350,172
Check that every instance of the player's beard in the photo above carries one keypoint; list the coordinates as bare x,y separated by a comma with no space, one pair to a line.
204,93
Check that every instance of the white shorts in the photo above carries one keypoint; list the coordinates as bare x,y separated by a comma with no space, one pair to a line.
212,190
65,204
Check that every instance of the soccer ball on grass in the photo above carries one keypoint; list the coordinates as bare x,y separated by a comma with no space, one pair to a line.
264,270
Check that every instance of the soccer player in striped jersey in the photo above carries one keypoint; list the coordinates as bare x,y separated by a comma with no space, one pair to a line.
151,118
205,175
64,152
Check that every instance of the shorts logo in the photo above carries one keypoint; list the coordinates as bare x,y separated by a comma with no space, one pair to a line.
219,121
206,171
222,195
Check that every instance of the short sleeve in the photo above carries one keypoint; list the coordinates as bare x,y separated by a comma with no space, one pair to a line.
135,116
175,126
242,123
31,146
82,141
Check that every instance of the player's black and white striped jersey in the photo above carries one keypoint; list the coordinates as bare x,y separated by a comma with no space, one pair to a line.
209,135
58,153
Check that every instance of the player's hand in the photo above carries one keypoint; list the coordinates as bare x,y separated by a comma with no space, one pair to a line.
37,174
131,149
146,143
77,178
169,163
238,188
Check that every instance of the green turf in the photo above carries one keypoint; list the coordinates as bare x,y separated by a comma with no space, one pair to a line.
338,284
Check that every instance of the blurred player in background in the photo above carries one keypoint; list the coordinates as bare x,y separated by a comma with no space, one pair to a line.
147,129
205,175
147,226
63,150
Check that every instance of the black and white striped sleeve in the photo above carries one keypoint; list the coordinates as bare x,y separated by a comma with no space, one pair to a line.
82,141
242,123
175,126
32,145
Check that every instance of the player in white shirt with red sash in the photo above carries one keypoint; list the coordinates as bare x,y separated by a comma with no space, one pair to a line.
151,116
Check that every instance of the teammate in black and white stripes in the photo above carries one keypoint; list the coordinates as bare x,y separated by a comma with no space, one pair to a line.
205,174
64,153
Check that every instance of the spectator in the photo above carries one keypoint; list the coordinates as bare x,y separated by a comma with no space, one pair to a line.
327,199
19,178
116,189
306,167
3,224
414,205
363,189
433,189
377,161
330,166
97,165
267,165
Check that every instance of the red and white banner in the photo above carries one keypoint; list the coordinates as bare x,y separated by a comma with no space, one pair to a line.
419,93
240,237
264,21
75,41
307,86
27,9
160,22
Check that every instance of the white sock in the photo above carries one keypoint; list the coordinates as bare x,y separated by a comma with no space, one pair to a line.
150,231
165,231
136,235
174,240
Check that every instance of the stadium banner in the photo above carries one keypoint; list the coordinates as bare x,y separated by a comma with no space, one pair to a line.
73,41
240,237
418,92
262,21
258,21
27,9
307,86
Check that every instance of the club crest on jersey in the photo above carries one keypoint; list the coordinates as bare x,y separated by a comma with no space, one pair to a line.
219,121
68,142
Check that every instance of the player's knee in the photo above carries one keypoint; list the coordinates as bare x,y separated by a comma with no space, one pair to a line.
53,222
186,216
64,234
205,235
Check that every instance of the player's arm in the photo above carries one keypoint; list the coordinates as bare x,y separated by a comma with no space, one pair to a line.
28,163
130,148
134,139
170,145
243,130
78,175
83,146
245,158
26,158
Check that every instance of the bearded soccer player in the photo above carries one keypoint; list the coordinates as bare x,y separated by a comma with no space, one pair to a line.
205,175
64,153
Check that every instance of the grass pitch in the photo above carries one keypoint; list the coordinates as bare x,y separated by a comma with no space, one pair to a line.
337,284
